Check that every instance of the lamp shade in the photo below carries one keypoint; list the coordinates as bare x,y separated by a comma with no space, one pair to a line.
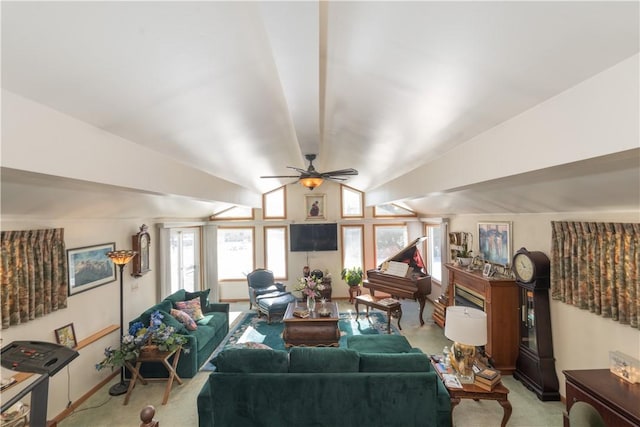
311,182
466,325
121,257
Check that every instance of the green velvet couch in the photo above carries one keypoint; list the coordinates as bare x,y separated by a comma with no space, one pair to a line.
322,387
200,343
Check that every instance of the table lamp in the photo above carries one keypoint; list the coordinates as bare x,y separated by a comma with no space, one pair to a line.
467,328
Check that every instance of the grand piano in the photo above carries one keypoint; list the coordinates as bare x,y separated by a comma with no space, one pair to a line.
402,275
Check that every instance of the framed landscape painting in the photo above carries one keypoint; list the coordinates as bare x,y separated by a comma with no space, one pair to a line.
90,267
494,242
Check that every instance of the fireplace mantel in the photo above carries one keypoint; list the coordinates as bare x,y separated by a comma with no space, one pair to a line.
501,305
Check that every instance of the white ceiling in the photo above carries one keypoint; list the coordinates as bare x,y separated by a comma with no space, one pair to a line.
244,89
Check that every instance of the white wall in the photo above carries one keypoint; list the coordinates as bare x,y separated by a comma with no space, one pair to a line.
581,340
89,311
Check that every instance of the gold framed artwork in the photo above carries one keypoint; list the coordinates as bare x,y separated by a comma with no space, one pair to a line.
66,336
315,205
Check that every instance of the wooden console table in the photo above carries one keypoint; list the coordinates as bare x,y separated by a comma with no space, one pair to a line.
161,357
499,299
617,400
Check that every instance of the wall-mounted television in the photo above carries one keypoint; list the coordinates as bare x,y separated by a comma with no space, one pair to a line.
313,237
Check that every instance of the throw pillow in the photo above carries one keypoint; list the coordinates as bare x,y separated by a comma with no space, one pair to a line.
191,307
203,295
169,320
185,319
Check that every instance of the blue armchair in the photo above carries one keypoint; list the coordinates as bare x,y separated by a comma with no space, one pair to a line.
261,282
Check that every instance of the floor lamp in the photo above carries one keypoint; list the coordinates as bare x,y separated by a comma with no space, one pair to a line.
121,258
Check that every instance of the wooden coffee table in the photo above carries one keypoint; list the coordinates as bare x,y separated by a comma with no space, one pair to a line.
471,391
314,331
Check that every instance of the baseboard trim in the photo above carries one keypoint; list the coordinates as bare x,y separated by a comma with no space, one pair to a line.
71,408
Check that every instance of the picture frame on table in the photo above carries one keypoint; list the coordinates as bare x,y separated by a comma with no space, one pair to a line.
494,242
66,336
90,267
315,206
487,270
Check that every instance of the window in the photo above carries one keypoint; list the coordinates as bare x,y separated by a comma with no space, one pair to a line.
274,204
392,210
184,256
275,251
351,202
433,250
352,246
234,212
390,239
236,253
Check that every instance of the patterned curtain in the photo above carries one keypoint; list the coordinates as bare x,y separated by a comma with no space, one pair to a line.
596,266
33,274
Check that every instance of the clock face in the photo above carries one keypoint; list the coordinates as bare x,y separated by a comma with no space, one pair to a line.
524,268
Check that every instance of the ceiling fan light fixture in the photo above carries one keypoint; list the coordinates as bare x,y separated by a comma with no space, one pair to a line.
311,182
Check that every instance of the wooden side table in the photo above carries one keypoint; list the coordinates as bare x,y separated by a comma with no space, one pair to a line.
471,391
161,357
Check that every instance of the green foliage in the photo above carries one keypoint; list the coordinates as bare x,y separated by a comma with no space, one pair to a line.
158,333
353,276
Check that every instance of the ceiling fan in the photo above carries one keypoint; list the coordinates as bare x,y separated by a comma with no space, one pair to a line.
311,178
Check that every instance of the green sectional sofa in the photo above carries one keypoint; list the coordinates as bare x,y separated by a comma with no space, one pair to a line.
200,342
322,387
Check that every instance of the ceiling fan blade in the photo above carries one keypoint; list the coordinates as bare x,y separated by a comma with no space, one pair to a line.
297,169
349,171
334,178
281,176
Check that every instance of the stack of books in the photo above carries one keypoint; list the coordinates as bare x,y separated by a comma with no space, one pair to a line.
301,312
487,378
388,301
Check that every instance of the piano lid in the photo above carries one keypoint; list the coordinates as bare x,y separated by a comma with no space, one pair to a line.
409,255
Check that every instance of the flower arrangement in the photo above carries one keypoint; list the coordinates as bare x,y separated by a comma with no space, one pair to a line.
156,334
310,286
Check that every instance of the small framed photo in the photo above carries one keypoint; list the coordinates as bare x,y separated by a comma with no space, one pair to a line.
315,205
487,271
90,267
66,336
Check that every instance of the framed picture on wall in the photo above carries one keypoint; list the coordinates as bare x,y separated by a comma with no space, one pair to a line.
90,267
315,206
494,242
66,336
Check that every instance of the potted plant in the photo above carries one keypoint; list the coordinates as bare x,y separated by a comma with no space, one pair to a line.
353,276
464,256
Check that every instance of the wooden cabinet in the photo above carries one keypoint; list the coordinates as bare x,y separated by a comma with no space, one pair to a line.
616,400
499,299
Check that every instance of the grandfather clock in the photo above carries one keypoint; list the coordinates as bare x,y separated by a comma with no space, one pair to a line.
535,366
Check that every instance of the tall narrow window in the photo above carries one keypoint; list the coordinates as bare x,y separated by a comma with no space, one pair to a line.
275,251
390,239
274,204
236,252
352,246
351,202
433,250
185,259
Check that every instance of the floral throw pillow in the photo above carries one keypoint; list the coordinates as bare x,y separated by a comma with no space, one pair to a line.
185,319
192,308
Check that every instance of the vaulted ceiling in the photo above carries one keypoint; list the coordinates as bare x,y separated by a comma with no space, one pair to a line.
239,90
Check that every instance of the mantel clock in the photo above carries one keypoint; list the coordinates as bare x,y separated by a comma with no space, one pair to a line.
141,242
535,366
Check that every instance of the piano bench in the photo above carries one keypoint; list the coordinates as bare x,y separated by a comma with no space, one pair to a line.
389,305
275,304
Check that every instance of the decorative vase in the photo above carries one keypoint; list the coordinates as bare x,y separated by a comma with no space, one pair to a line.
311,303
